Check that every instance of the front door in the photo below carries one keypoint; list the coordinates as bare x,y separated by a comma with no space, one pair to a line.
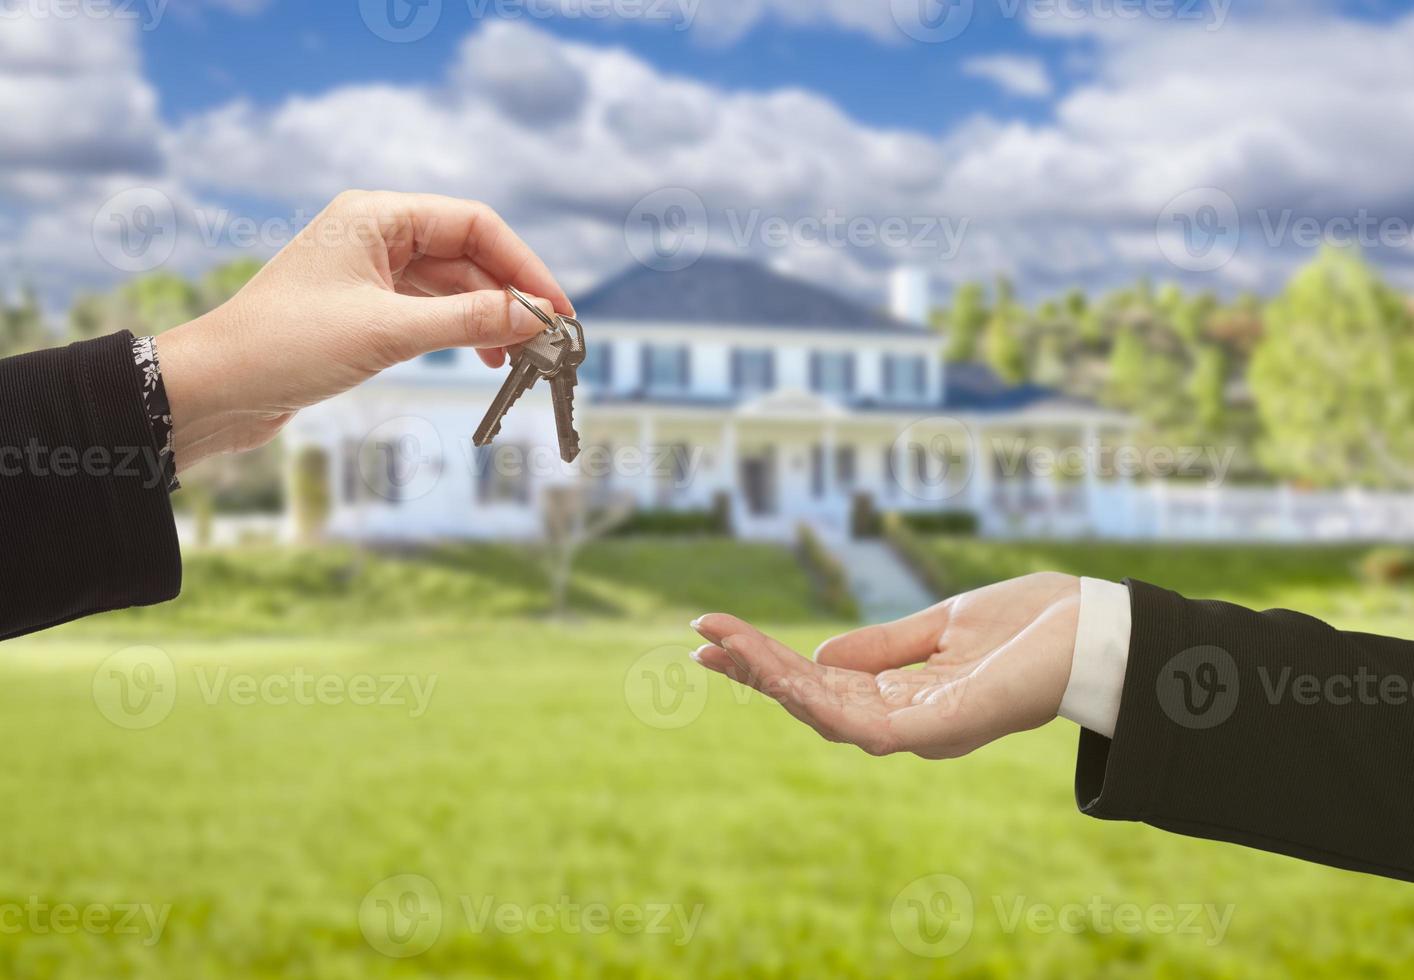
758,483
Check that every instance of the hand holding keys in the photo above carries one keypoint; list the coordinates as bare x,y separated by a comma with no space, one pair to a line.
555,353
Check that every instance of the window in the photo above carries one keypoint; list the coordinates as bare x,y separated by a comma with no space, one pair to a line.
905,378
598,367
440,358
665,368
502,476
817,471
753,370
832,373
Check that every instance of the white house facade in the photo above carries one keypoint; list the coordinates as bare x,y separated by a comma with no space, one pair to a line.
723,385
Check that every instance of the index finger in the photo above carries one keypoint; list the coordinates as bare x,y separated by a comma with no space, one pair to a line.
450,227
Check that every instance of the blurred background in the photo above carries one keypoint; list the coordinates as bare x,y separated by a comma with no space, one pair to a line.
884,300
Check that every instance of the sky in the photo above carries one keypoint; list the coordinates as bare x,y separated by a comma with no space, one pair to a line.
1062,143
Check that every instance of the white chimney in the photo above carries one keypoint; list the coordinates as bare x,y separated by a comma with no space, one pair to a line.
910,297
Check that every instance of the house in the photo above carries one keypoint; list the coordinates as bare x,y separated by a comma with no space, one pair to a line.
724,384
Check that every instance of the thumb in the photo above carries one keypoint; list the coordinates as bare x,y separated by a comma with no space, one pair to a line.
485,318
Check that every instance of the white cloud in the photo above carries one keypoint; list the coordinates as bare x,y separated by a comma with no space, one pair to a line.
73,98
1012,73
1315,114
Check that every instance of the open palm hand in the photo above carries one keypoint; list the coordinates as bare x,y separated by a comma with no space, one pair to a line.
938,683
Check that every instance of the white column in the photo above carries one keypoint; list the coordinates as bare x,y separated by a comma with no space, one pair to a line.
981,474
897,484
1090,439
647,483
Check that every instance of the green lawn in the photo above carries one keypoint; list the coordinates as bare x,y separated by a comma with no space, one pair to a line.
568,772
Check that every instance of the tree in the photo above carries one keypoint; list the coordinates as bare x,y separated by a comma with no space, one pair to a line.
22,324
159,302
1003,345
966,321
574,515
1333,377
1207,389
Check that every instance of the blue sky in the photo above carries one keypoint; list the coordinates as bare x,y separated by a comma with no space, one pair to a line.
206,58
1059,142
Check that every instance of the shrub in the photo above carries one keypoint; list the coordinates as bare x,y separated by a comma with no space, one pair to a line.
828,576
956,522
675,523
916,554
864,517
1388,566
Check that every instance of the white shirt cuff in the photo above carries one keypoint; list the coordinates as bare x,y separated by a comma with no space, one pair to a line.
1101,655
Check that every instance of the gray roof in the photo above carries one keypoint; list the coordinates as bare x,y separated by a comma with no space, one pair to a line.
733,292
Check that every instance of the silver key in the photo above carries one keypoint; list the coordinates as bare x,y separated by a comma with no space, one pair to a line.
556,353
537,358
562,385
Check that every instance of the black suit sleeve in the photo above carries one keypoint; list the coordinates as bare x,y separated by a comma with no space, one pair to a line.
1269,729
85,517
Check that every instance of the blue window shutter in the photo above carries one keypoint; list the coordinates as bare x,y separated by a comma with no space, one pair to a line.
607,372
849,374
814,371
736,370
645,362
684,367
770,369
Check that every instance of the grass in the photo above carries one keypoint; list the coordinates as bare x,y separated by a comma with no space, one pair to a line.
547,772
279,591
1321,580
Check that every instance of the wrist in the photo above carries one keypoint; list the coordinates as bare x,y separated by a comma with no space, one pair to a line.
201,390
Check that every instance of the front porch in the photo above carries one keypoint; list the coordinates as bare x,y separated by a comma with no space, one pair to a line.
790,458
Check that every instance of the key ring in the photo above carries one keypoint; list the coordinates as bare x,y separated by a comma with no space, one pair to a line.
524,300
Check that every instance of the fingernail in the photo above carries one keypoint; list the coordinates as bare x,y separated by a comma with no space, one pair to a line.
526,323
696,623
696,654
